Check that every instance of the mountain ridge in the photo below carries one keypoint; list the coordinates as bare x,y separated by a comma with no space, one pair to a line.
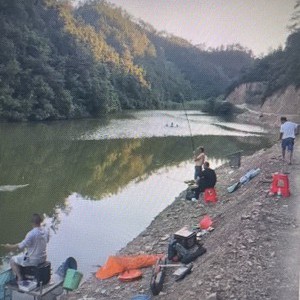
58,61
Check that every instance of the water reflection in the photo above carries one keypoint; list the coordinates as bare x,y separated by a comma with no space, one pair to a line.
135,178
157,123
102,226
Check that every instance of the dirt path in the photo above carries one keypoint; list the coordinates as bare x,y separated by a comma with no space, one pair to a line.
252,253
291,240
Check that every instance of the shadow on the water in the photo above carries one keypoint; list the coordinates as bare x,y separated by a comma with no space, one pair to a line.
228,128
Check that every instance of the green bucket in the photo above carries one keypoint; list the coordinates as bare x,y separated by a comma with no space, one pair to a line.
72,279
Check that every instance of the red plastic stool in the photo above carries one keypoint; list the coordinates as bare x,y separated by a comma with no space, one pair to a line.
210,195
279,184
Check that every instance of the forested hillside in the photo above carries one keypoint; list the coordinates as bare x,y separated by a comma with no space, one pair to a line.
279,69
58,61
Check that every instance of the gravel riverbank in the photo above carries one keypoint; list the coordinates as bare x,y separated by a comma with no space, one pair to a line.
246,253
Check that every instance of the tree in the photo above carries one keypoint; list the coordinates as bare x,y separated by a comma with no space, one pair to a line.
295,19
59,60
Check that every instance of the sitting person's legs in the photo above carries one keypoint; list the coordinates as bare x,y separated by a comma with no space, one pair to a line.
19,261
200,189
16,263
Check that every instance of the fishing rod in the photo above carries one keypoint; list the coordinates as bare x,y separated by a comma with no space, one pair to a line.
189,125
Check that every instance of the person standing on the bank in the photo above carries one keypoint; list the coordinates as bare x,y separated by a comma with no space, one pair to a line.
35,244
199,160
288,132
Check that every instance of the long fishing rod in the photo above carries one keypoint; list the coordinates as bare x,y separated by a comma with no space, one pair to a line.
190,129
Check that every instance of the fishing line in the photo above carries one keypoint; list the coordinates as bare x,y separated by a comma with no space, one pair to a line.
189,125
173,179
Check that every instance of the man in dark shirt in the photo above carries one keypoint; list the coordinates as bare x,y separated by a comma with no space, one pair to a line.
207,179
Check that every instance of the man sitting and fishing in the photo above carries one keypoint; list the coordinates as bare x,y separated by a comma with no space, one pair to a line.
199,161
35,243
208,179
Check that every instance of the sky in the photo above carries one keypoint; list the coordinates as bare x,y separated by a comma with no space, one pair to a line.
260,25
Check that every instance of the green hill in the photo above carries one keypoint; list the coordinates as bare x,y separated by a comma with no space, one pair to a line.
279,69
58,61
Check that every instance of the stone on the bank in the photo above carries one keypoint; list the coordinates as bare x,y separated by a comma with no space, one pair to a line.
238,279
148,248
212,296
165,237
192,293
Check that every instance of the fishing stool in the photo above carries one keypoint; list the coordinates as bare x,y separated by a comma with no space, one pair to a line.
40,273
280,185
210,195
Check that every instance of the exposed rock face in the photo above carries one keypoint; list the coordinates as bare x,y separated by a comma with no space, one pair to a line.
285,102
248,93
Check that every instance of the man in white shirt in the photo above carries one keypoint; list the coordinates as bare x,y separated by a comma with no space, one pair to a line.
35,244
288,131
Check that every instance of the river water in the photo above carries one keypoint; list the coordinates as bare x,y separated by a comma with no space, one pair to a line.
100,183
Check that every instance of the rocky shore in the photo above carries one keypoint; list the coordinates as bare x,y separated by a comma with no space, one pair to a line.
246,253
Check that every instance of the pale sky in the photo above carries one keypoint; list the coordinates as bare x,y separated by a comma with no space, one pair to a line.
256,24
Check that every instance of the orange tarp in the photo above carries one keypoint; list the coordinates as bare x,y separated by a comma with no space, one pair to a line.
118,264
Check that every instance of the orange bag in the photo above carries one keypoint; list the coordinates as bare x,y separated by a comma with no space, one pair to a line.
118,264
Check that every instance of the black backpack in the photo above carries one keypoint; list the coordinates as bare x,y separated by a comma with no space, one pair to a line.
190,194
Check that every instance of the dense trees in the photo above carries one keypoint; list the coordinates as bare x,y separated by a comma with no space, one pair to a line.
280,68
209,72
58,61
277,70
295,19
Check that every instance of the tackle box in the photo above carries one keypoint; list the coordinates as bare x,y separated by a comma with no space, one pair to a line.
185,237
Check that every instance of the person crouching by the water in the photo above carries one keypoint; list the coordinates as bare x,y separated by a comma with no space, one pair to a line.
35,243
199,160
208,179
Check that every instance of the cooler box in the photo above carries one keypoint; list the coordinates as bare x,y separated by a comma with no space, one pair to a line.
185,237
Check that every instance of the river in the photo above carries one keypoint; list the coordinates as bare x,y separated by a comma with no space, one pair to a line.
99,183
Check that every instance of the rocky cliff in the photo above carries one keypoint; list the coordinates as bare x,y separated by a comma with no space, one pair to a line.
248,93
284,102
